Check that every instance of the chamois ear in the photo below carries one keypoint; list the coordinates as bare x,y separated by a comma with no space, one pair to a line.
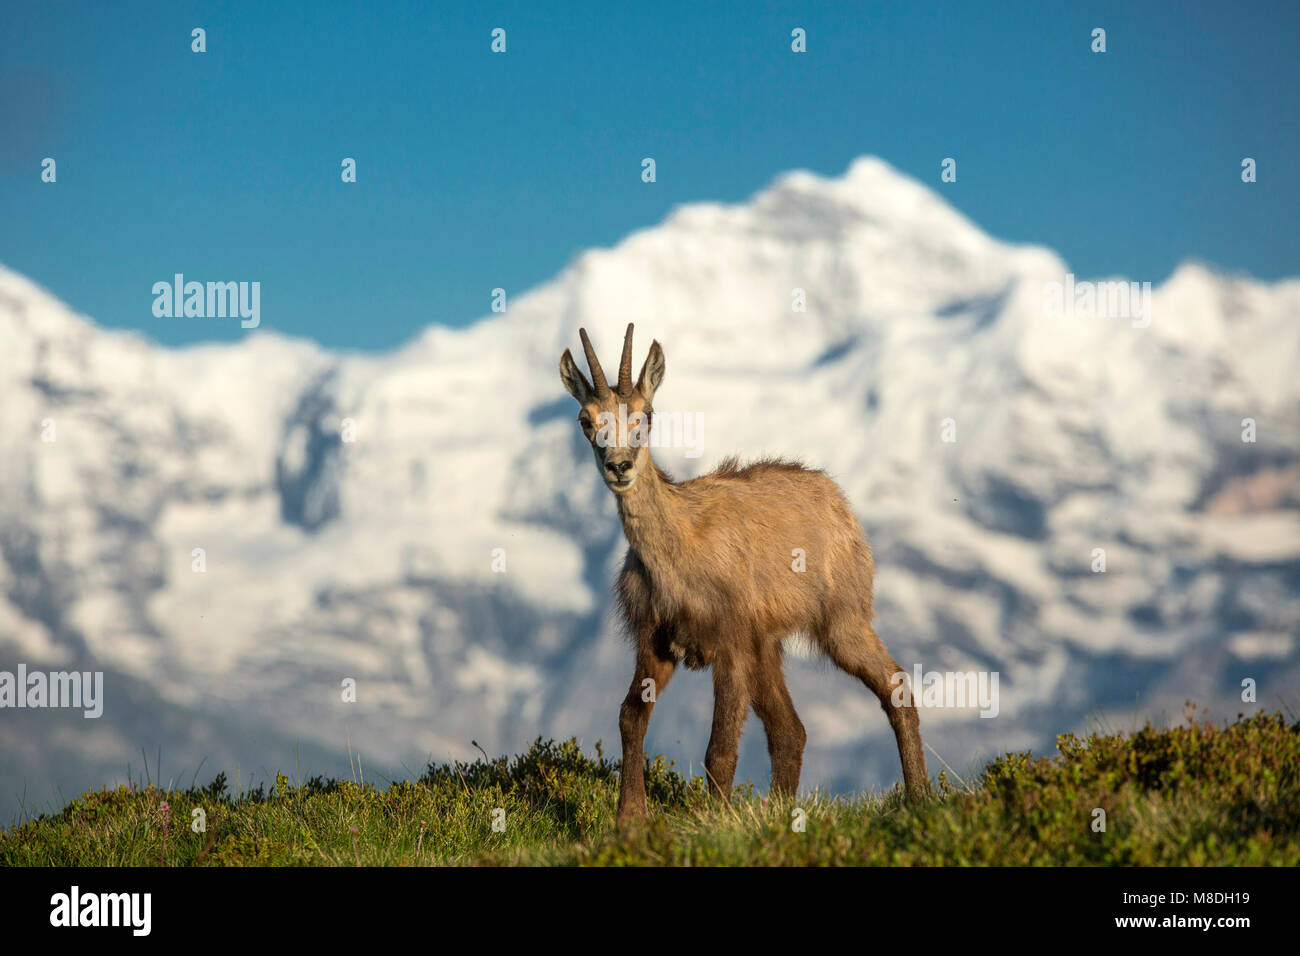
575,383
652,372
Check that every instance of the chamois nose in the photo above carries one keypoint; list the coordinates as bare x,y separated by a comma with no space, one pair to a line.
618,469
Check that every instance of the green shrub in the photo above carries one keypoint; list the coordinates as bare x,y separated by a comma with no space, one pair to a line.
1195,794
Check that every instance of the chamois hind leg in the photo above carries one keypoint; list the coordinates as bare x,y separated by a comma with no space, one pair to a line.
633,720
856,649
785,733
731,700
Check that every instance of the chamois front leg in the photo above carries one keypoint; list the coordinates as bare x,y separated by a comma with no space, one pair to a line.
633,719
731,699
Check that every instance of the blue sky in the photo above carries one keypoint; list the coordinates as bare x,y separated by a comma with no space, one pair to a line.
478,170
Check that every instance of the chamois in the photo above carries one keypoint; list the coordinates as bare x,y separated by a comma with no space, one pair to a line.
710,579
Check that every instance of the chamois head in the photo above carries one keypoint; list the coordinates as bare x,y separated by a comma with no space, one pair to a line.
616,421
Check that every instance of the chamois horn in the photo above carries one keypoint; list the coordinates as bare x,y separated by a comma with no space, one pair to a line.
593,363
625,366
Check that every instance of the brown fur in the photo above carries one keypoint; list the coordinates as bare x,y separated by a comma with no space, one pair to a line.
710,581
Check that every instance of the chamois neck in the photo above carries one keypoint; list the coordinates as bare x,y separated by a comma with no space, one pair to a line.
648,511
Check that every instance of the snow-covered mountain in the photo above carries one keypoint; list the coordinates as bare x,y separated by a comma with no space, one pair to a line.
373,559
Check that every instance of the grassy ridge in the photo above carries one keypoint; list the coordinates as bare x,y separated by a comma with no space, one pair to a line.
1191,795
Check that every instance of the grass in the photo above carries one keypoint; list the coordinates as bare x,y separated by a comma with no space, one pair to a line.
1196,794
